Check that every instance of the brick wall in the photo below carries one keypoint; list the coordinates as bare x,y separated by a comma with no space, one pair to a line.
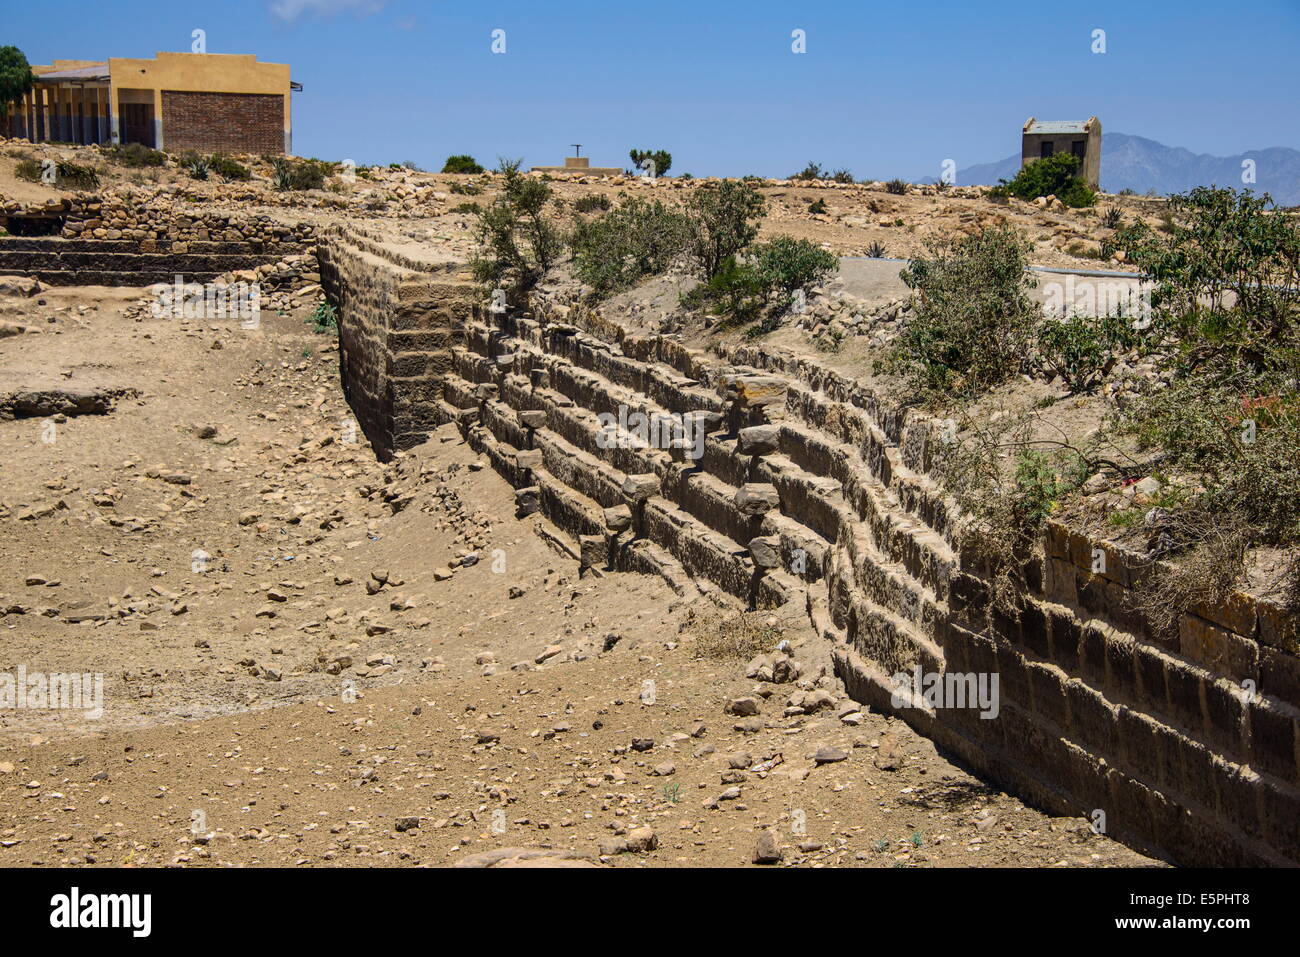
223,122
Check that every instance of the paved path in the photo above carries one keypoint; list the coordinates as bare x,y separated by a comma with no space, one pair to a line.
876,280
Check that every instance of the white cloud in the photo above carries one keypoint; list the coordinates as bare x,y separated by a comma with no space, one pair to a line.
291,10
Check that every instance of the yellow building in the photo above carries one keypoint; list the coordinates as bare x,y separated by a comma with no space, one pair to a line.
210,102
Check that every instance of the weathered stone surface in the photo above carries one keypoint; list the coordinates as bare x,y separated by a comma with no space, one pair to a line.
638,488
759,440
754,499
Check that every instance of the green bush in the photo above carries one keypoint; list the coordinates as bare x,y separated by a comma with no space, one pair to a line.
228,169
814,171
136,155
67,175
1055,175
298,174
1226,300
29,169
974,319
461,163
658,161
724,220
897,187
194,164
1081,350
736,291
636,239
323,318
517,244
787,264
591,203
817,207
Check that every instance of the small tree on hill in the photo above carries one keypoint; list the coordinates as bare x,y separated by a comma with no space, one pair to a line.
16,78
657,162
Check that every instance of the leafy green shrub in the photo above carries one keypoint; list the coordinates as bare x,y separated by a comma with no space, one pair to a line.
298,174
897,187
974,319
724,220
785,264
810,172
517,244
230,170
461,163
737,292
817,207
814,171
324,318
636,239
135,155
1055,175
1081,349
1227,305
656,162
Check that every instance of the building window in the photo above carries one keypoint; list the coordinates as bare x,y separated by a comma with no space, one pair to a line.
1077,148
1046,147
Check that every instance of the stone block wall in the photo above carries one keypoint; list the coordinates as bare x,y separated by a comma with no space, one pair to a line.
814,490
398,322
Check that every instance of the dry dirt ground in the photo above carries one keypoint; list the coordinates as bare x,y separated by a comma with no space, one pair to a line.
318,686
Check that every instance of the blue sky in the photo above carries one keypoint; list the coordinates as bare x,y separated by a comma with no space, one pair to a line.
883,89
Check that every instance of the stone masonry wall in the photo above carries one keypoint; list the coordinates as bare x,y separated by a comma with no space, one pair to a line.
814,490
397,325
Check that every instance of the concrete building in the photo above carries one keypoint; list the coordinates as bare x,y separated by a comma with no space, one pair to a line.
580,164
1040,139
210,102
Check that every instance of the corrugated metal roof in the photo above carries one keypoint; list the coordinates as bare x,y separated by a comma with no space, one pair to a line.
1058,126
98,71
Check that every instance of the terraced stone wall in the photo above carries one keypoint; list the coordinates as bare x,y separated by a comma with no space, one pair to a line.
815,492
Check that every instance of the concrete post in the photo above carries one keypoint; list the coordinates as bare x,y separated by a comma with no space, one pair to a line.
114,114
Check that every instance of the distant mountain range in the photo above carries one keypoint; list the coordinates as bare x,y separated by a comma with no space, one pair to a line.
1139,164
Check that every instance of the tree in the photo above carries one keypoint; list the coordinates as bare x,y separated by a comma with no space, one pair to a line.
461,163
724,220
517,244
16,78
1055,175
657,162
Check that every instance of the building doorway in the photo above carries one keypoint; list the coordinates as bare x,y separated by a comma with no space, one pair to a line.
137,124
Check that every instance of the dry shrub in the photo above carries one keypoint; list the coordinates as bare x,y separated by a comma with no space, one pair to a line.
1211,563
737,637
